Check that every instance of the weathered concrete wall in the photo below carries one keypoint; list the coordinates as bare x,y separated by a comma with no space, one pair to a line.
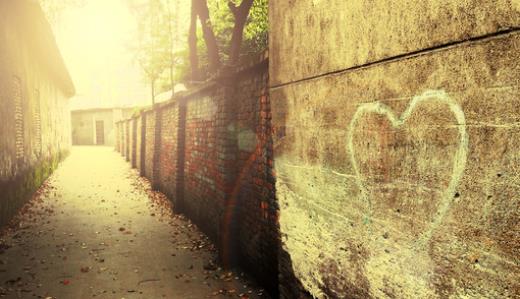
34,113
397,179
210,151
313,37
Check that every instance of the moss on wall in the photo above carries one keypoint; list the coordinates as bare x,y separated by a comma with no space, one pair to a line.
17,191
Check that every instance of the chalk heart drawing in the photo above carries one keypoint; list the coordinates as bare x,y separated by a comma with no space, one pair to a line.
459,160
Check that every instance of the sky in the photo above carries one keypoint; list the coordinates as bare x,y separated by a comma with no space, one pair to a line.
95,41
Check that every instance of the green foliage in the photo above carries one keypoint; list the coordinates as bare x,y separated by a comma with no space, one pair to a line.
222,20
163,27
255,31
153,51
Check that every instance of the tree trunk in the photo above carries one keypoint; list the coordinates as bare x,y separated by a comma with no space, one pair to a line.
240,13
170,36
209,35
192,42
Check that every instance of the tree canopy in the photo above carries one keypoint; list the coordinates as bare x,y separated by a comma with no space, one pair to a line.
188,41
222,32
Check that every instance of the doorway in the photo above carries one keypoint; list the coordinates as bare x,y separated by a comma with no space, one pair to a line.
100,132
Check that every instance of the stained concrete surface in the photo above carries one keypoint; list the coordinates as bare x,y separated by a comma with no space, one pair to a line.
401,180
95,229
310,38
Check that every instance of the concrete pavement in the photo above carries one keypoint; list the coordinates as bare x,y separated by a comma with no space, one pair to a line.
96,230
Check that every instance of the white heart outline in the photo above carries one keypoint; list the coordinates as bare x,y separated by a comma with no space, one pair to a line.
459,161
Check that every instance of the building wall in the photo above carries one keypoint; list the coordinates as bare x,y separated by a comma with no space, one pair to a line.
35,128
84,126
192,147
395,137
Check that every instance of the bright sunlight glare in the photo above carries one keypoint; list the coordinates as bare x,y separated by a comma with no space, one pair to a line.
95,40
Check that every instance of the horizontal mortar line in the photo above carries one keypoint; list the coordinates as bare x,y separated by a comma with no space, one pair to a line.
406,56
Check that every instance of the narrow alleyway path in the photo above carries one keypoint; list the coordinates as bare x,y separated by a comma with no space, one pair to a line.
96,230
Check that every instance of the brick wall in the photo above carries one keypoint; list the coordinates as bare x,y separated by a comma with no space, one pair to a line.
210,151
204,190
126,125
138,141
34,114
123,137
167,174
118,138
149,145
257,227
133,141
130,140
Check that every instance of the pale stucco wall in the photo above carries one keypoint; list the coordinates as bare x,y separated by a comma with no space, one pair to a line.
84,126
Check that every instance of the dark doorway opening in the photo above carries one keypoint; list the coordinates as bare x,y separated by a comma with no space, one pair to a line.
100,132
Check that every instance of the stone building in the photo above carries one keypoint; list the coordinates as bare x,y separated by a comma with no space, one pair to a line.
96,126
34,90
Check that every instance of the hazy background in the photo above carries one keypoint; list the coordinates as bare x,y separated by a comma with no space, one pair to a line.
95,39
